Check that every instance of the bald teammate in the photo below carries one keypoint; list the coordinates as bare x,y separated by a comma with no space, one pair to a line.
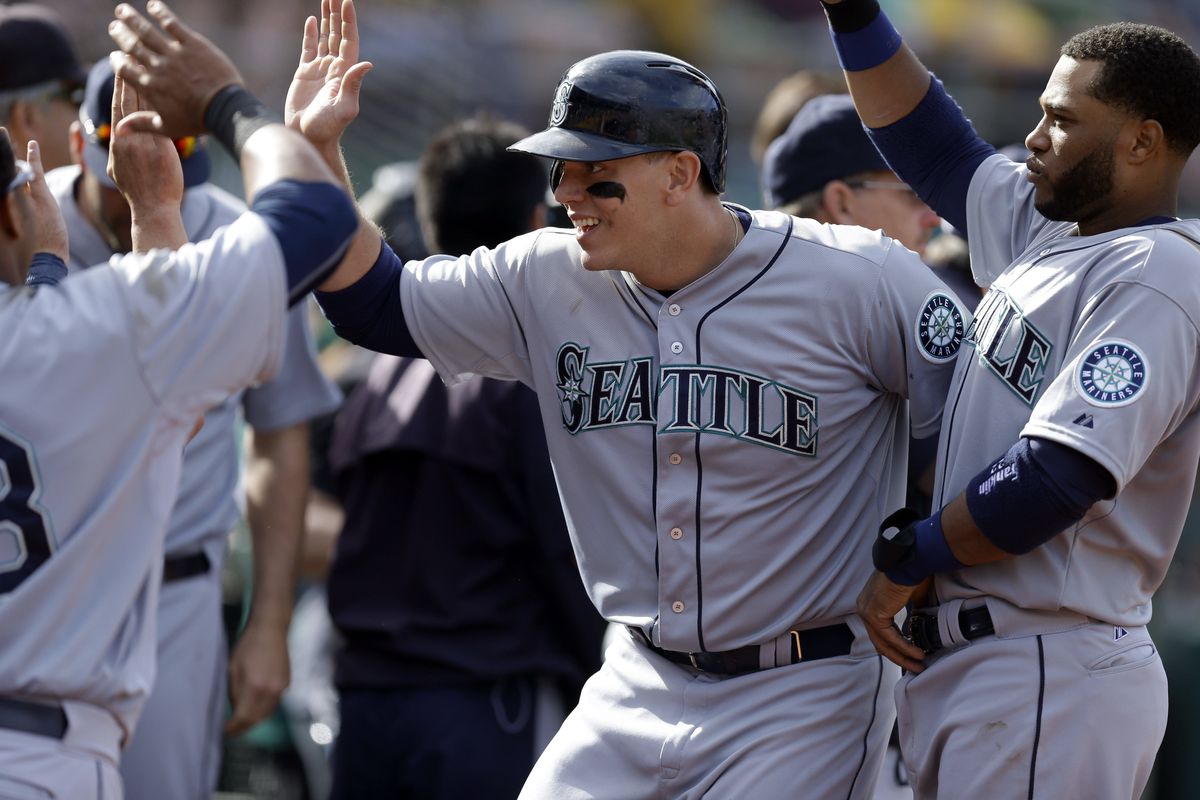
1070,449
153,340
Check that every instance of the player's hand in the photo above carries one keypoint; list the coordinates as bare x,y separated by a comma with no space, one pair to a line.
145,166
176,70
323,98
49,230
259,671
878,603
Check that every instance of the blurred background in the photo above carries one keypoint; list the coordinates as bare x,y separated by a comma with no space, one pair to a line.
438,60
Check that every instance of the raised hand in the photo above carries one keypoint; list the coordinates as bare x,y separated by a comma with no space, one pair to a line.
322,100
49,230
176,70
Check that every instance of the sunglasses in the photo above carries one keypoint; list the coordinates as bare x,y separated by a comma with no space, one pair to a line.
24,175
52,90
102,135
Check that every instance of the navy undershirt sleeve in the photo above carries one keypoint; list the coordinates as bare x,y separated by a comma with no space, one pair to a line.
369,312
314,223
46,269
1036,490
935,150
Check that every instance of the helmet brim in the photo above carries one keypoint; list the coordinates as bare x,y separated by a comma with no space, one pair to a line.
569,145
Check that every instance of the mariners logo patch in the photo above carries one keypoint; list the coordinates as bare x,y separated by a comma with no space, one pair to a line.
940,328
558,111
1112,374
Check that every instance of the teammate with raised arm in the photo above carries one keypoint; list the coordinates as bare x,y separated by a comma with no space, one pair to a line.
722,459
153,340
1071,442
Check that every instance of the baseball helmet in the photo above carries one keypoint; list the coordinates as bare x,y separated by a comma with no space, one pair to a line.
625,102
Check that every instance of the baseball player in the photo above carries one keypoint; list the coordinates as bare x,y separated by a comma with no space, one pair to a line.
1067,460
176,752
152,341
726,397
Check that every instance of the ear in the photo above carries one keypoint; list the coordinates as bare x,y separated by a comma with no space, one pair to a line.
683,173
23,121
10,218
837,198
1148,139
77,142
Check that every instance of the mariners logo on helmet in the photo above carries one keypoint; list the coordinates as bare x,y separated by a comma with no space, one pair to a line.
558,112
940,328
1112,374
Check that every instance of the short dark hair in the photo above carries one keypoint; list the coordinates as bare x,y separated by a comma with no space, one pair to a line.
471,192
1148,71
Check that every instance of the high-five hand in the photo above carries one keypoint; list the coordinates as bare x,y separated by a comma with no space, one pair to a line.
323,98
176,70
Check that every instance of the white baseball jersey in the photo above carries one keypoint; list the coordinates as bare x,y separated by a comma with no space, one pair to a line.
1091,342
724,454
104,378
207,507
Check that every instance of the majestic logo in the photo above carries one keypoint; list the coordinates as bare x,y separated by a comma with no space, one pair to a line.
697,398
1112,374
940,328
1010,345
558,111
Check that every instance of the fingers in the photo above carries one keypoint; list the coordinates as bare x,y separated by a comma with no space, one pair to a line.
349,47
334,47
142,29
33,154
352,82
140,122
127,69
323,32
308,45
169,22
895,648
131,44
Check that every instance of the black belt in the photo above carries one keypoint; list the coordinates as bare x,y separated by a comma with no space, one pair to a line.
176,568
923,628
30,717
810,645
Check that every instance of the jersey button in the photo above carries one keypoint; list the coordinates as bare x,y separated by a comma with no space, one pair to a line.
677,607
674,309
676,347
675,458
676,533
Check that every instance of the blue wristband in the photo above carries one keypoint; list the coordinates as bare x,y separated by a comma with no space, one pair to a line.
46,269
867,47
931,554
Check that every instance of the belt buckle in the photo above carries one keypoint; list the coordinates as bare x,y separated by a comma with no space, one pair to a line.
796,642
695,663
923,631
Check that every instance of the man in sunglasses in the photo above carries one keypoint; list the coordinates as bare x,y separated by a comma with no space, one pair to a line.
177,747
41,81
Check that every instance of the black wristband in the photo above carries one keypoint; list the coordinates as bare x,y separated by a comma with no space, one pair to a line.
233,115
851,15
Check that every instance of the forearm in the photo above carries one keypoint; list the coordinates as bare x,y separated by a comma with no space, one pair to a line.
884,91
276,494
364,249
920,130
157,227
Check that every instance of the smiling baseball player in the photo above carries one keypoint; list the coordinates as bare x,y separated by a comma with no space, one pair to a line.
155,340
1070,449
726,395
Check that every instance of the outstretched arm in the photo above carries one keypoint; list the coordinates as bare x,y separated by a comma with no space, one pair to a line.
194,87
918,128
321,103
